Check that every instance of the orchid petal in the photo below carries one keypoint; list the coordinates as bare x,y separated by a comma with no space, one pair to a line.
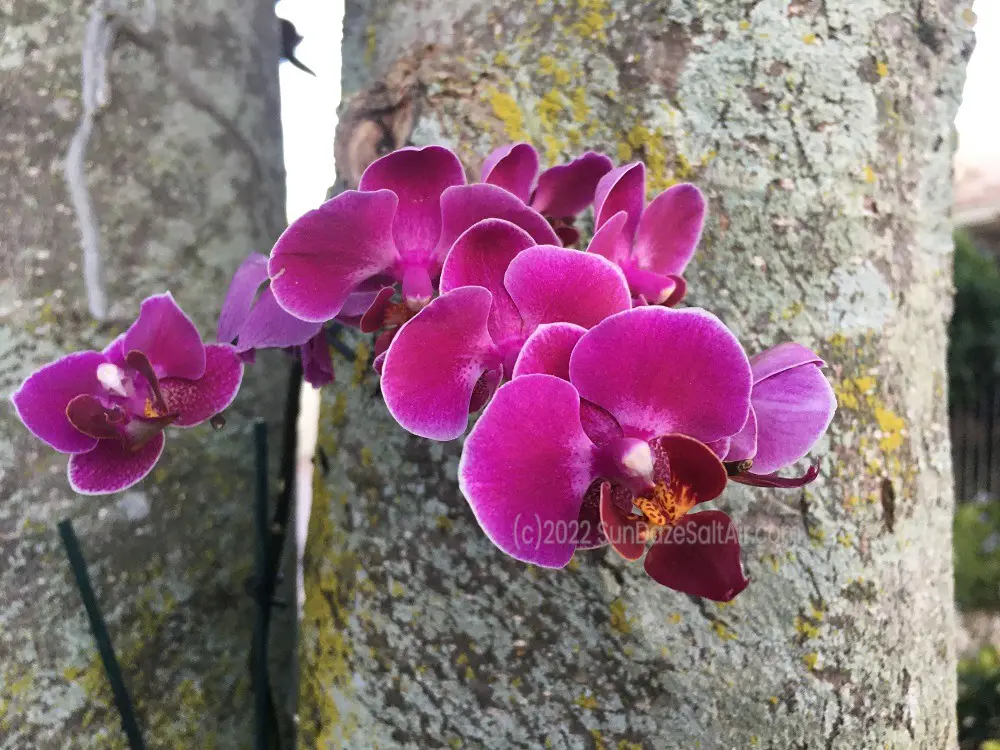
556,285
463,206
112,467
700,556
669,230
194,401
239,299
743,444
434,362
168,337
418,177
622,189
565,190
548,349
480,257
327,253
317,362
526,466
43,397
660,371
268,325
685,462
607,240
794,405
626,533
512,167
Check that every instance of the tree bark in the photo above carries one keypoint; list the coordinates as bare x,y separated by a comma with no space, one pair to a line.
821,132
185,172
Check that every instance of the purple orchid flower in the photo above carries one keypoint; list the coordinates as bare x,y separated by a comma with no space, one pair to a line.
608,430
653,244
497,288
257,322
410,208
560,192
791,407
108,409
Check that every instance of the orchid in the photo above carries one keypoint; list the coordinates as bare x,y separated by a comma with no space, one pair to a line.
611,432
559,193
497,288
653,244
398,226
108,409
253,321
791,406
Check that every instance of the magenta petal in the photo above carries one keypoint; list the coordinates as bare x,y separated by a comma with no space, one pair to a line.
794,406
168,338
601,427
547,350
111,467
317,363
326,253
42,399
268,325
608,242
743,444
555,285
434,362
699,556
669,230
480,257
239,299
512,167
660,371
197,400
565,190
526,467
621,189
418,176
463,206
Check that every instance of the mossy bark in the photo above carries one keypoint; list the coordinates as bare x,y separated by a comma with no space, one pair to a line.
185,170
821,132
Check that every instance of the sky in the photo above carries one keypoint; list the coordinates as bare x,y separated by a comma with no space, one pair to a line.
978,118
309,105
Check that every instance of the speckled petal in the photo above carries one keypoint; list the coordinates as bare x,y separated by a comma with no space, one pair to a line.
194,401
42,399
111,467
168,338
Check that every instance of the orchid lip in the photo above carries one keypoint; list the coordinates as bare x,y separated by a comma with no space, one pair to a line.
629,462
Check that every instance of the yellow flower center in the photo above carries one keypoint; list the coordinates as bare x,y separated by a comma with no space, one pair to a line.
667,504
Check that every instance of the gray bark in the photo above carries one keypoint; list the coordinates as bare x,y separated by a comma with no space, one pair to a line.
821,131
185,171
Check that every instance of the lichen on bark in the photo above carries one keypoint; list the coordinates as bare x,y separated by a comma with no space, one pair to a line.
821,132
185,169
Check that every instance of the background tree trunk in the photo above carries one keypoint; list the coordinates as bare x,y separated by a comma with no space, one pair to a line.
821,131
186,174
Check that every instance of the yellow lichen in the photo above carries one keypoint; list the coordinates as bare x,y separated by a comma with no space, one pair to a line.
588,702
723,631
620,620
882,69
509,113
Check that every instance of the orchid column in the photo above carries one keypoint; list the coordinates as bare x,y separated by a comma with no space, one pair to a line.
820,134
185,176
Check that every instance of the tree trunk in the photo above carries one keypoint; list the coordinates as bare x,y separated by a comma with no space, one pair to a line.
185,173
821,132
